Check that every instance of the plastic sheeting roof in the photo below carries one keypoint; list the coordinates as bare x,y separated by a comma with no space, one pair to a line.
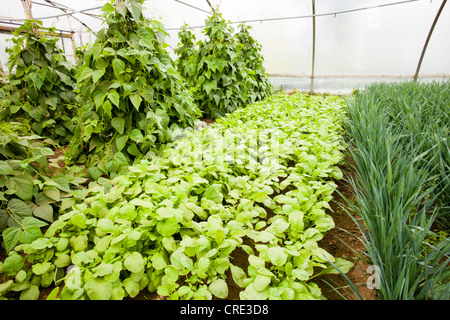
354,38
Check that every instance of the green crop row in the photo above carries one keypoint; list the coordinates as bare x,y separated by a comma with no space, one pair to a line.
398,138
172,223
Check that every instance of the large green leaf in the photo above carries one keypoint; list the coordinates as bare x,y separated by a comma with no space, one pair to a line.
118,66
121,140
121,6
261,282
52,192
37,78
19,211
11,237
44,212
96,50
103,269
136,135
107,108
167,227
32,293
277,256
61,182
105,225
30,234
147,38
97,74
136,100
5,168
238,275
28,222
94,173
324,223
114,97
214,193
41,268
12,264
158,261
85,73
118,123
5,286
132,287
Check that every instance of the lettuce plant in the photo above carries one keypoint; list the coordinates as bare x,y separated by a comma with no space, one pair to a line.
132,98
224,72
172,223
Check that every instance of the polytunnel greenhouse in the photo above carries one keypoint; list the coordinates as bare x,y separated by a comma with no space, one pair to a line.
224,150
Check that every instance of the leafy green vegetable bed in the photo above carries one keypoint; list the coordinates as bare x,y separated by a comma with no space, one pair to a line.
260,179
399,142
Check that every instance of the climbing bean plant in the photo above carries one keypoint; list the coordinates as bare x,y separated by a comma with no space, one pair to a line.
186,51
33,186
131,96
250,53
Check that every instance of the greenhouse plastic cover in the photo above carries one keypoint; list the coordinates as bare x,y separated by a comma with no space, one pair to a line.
356,41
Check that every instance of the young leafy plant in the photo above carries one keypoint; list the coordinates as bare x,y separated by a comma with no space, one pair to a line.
173,222
39,89
132,97
186,51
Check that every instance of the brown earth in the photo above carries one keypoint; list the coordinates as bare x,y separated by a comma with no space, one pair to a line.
345,241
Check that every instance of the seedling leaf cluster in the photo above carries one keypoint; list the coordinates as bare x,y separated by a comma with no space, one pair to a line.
110,186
